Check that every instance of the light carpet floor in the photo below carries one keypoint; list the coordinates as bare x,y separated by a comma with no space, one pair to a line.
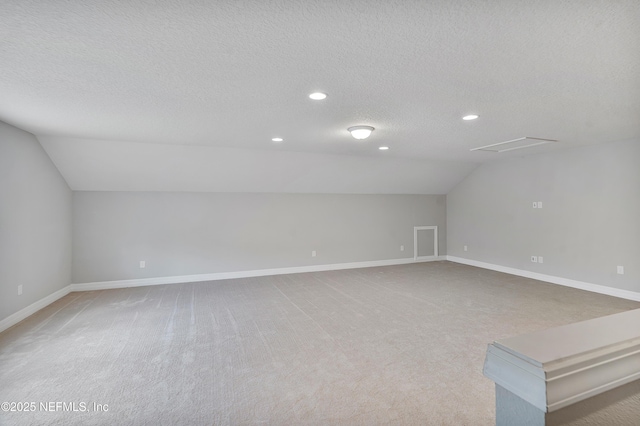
398,345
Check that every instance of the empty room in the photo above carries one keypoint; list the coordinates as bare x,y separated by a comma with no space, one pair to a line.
293,212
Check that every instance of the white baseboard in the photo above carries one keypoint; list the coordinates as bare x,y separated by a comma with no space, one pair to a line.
13,319
106,285
596,288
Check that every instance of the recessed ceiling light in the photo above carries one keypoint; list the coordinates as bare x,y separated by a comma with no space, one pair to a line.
470,117
318,96
277,139
361,132
383,148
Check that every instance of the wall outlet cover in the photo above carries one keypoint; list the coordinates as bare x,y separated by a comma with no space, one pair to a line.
143,264
534,259
540,259
620,270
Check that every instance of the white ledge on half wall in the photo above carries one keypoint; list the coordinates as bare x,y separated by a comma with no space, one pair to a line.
552,369
595,288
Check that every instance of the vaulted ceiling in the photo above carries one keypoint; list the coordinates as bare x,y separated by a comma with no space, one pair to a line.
187,95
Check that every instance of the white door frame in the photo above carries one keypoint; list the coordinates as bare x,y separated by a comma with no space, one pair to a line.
415,242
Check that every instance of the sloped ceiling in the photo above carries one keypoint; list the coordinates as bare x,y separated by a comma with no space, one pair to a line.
186,95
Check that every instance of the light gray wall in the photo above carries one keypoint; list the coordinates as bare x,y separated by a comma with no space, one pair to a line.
198,233
589,222
35,222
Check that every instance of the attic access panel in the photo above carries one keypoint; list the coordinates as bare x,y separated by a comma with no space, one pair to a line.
425,243
519,143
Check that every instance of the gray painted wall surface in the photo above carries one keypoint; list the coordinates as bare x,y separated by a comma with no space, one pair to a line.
589,222
199,233
35,222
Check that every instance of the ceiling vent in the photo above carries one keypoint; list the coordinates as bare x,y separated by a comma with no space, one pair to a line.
519,143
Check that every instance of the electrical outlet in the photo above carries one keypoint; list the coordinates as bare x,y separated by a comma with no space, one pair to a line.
540,260
465,248
143,264
534,259
401,248
620,270
313,253
20,290
535,204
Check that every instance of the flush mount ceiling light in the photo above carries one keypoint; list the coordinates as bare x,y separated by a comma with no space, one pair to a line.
470,117
318,96
277,139
383,148
361,132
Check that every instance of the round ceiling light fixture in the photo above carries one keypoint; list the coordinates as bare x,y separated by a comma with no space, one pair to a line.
361,132
318,96
470,117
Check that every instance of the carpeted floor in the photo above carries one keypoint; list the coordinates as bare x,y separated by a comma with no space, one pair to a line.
391,345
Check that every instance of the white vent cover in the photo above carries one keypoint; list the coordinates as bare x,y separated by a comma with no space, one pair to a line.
519,143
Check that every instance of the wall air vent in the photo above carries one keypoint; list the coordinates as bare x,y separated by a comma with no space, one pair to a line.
519,143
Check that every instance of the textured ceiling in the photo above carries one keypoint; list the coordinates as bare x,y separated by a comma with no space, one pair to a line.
113,88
